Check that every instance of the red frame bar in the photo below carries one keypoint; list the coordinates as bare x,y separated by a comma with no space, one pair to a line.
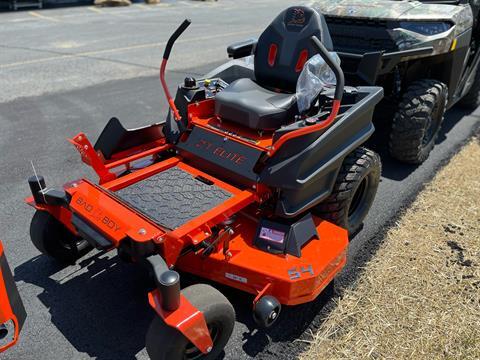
90,157
6,312
187,319
171,103
140,155
306,130
142,174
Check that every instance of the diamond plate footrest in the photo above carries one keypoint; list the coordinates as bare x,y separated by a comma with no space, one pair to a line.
173,197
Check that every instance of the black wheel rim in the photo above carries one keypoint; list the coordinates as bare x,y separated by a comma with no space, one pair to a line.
272,317
66,244
192,352
433,123
61,244
358,199
71,245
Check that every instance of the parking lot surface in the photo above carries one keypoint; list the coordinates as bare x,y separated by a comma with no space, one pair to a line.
69,70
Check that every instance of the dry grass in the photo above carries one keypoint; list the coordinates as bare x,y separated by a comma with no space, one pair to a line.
420,295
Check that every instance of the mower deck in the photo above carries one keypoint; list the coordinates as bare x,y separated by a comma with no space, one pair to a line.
292,280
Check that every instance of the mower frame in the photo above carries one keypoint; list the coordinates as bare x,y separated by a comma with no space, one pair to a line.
218,243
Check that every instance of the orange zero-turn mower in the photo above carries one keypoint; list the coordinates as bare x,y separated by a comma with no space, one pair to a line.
12,311
238,186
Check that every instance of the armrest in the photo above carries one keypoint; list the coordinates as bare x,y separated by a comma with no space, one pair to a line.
242,48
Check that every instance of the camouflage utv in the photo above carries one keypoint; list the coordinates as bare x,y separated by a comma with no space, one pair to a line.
424,53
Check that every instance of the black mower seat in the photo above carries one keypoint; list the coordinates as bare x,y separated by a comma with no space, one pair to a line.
247,103
279,56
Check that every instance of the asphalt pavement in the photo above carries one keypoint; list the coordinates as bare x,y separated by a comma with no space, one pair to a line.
69,70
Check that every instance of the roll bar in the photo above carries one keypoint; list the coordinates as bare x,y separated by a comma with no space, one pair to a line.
339,87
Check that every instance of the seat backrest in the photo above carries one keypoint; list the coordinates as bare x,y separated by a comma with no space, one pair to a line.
285,46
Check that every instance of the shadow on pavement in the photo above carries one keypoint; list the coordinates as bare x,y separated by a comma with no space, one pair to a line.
102,312
292,323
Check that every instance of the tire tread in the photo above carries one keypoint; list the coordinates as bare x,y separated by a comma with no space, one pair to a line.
410,120
335,207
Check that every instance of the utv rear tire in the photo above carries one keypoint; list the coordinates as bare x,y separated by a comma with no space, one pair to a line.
353,192
471,100
52,238
166,343
418,120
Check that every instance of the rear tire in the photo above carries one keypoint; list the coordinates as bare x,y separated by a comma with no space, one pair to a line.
353,192
53,239
418,120
166,343
471,100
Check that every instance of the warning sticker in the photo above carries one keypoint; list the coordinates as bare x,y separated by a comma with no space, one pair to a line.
236,277
272,235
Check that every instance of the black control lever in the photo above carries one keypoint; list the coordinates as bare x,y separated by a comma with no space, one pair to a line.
183,26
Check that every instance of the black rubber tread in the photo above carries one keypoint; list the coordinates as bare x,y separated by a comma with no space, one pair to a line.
412,119
53,239
471,100
359,164
173,197
166,343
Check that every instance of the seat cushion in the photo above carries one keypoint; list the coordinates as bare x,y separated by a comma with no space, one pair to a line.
247,103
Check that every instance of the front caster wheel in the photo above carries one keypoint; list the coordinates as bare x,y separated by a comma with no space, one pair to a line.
266,311
52,238
166,343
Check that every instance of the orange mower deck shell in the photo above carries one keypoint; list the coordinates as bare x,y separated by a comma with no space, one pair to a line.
290,279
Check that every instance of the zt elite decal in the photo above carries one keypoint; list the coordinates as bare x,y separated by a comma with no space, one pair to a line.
219,151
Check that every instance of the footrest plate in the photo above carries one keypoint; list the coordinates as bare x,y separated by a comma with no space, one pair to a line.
173,197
